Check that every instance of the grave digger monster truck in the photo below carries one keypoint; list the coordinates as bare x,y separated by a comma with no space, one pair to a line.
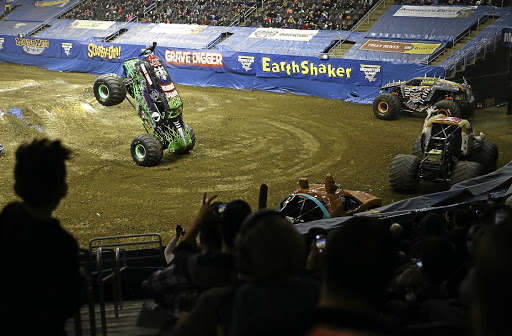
418,94
158,105
447,151
324,200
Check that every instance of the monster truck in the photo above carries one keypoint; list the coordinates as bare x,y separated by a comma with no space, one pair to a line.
158,105
418,94
447,151
324,200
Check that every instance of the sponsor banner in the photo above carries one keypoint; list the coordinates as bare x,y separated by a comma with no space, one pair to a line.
35,46
66,49
85,24
177,29
283,34
507,37
312,68
186,58
246,64
444,12
107,52
1,43
47,3
400,47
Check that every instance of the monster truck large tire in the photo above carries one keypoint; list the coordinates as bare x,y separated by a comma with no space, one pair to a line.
192,143
147,150
109,89
387,106
417,150
403,173
486,154
448,108
465,170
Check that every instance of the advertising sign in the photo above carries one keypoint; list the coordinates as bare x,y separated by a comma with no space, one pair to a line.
400,47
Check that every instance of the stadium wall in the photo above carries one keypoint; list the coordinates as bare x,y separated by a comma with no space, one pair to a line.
351,80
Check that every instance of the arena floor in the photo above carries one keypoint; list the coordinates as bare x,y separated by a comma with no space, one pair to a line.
244,139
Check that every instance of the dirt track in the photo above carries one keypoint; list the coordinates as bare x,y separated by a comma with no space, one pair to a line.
244,138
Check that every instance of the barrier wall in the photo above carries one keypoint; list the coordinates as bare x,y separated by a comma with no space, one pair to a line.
351,80
247,58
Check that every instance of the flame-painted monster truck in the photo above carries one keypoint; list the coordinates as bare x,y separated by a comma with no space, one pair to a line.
325,200
158,105
447,151
418,94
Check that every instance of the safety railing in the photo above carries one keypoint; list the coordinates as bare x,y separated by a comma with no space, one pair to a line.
369,15
115,248
85,261
468,56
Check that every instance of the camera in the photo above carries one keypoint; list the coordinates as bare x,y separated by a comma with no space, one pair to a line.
320,242
221,208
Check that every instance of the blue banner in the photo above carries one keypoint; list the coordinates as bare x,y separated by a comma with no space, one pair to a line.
313,68
334,78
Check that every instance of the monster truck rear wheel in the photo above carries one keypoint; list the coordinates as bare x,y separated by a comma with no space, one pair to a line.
486,154
417,150
386,106
109,89
465,170
448,108
146,150
192,143
403,173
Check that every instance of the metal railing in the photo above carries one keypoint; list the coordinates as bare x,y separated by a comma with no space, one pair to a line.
150,8
369,15
116,248
84,255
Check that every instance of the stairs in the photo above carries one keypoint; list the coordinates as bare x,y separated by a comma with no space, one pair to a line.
363,25
367,21
462,42
123,325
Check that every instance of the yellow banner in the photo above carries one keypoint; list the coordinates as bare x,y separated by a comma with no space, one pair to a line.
400,47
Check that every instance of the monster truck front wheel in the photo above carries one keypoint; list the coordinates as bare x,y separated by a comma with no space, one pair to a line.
417,150
109,89
486,154
448,108
192,143
386,106
403,174
147,150
465,170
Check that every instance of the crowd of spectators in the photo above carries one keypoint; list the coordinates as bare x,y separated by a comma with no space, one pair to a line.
236,271
293,14
430,276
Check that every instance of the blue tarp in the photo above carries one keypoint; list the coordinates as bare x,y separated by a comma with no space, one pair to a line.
427,28
352,80
283,41
15,28
40,10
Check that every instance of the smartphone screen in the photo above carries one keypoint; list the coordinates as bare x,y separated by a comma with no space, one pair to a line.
320,242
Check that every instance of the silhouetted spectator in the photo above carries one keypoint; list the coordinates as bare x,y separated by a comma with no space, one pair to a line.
358,267
203,319
493,275
274,300
41,285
